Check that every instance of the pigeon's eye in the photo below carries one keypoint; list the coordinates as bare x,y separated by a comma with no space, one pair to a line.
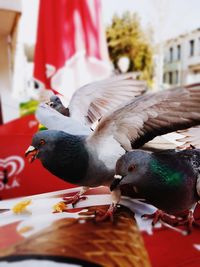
42,142
131,168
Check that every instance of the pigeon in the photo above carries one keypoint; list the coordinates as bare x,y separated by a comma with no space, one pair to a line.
89,103
169,180
89,160
92,101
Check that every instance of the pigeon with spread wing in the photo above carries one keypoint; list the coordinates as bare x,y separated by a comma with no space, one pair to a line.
89,104
89,160
92,101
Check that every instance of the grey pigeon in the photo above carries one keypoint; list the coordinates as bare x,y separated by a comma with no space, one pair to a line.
89,103
89,160
169,180
92,101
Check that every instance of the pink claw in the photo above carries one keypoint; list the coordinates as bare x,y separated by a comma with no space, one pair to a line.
74,199
185,218
108,215
161,215
190,222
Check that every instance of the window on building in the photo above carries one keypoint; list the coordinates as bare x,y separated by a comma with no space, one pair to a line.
164,77
176,77
170,77
199,46
191,48
171,54
178,52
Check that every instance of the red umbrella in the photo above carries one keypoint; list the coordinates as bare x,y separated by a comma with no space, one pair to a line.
71,46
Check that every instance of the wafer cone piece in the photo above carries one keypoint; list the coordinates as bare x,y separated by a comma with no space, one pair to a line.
107,244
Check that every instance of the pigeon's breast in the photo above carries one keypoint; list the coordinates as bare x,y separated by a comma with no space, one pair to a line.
102,160
109,151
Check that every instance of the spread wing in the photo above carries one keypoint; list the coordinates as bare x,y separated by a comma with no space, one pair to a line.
91,102
151,115
191,136
163,142
54,120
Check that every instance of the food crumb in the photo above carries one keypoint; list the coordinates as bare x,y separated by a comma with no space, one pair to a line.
59,207
21,206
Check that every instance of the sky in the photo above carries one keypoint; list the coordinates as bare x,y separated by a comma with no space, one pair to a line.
168,18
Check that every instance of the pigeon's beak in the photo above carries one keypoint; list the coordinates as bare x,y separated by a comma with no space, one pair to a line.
116,181
32,152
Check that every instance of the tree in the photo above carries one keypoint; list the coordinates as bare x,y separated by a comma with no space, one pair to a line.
126,38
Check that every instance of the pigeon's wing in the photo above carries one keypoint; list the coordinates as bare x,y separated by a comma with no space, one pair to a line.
92,101
159,143
53,120
191,136
151,115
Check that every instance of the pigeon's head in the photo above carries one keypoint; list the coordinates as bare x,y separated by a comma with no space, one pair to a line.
55,102
129,168
44,144
61,153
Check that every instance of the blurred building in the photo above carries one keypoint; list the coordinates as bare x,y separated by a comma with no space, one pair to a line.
10,12
182,59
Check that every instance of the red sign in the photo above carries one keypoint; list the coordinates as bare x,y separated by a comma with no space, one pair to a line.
17,176
41,225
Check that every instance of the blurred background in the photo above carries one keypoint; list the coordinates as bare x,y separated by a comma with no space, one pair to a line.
51,46
159,40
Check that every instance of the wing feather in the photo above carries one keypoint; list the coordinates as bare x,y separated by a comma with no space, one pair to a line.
91,102
151,115
191,136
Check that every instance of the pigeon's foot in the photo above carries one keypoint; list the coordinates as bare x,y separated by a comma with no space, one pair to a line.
189,221
108,215
185,219
74,199
165,217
